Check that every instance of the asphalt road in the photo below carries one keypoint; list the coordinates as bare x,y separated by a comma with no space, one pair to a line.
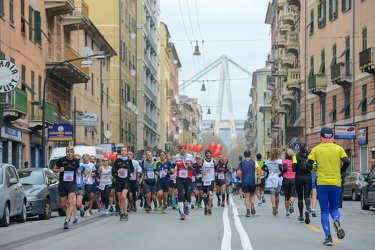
227,228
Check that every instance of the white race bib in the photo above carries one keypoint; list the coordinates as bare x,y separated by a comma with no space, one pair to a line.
68,176
101,186
106,178
150,175
162,173
78,179
193,178
183,173
221,176
206,183
123,174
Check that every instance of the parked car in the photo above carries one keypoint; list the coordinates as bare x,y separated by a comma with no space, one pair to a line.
12,196
368,192
41,188
352,185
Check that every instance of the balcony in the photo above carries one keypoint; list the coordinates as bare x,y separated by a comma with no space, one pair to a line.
14,104
281,111
290,15
280,41
285,104
283,28
270,82
149,121
280,4
341,75
71,72
36,115
317,84
287,60
79,19
295,2
58,7
367,60
292,43
287,97
293,79
149,92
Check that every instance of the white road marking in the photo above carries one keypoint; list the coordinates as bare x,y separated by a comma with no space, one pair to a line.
227,236
245,241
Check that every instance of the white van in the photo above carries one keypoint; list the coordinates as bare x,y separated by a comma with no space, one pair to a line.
61,152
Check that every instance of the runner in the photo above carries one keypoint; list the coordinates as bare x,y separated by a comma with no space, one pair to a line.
221,170
173,187
134,184
313,194
328,157
79,192
228,179
150,175
164,170
288,183
89,168
94,195
303,182
68,167
198,181
122,170
273,167
251,174
208,172
260,187
184,163
105,183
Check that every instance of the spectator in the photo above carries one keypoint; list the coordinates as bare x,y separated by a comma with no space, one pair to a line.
26,164
372,165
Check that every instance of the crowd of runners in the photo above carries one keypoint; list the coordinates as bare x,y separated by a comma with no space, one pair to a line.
184,181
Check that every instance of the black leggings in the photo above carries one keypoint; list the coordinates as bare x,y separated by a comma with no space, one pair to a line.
105,195
289,188
86,196
303,187
184,189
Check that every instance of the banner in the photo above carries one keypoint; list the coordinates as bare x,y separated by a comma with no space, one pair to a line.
345,132
60,132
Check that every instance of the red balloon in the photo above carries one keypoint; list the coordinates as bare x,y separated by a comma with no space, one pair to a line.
218,146
216,153
199,148
113,156
191,147
212,146
107,154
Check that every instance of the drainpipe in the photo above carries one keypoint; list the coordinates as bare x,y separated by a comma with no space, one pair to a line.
353,82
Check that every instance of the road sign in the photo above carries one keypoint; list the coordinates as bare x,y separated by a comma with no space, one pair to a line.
86,119
9,76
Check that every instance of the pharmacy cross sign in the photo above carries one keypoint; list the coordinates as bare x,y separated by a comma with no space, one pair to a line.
9,76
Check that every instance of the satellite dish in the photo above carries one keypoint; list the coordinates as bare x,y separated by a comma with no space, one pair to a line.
107,134
86,52
136,112
133,72
130,104
175,61
133,108
176,136
180,131
33,4
176,97
133,35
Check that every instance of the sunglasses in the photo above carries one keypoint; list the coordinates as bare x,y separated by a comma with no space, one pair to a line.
105,160
70,151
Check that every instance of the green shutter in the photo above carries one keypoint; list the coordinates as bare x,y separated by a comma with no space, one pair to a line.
30,23
312,115
1,8
343,5
37,24
319,15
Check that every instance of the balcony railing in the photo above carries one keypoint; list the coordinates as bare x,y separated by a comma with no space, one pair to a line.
367,60
293,79
340,74
290,15
317,84
36,113
280,41
71,54
150,121
149,92
82,9
14,100
58,7
292,42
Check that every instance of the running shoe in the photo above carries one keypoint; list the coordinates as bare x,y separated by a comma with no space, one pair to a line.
253,210
90,211
66,225
192,206
228,203
159,208
327,241
209,211
260,203
287,215
141,205
263,199
135,208
82,212
313,213
111,209
339,231
307,217
291,208
248,213
218,203
223,205
164,210
126,217
196,203
199,205
182,217
174,207
274,211
75,220
177,207
186,209
205,210
106,212
301,219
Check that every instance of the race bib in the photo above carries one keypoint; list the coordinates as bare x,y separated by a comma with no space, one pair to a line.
183,173
221,176
133,177
206,183
93,178
193,178
101,186
68,176
78,179
162,173
106,178
150,175
123,174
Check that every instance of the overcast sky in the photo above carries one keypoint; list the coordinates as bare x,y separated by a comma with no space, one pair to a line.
234,28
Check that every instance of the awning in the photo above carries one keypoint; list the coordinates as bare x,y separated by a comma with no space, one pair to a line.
344,53
344,108
322,67
364,99
331,113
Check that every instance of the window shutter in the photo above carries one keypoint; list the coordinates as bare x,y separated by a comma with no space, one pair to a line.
37,25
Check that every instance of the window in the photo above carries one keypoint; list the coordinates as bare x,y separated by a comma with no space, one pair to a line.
11,12
312,22
346,5
127,93
364,38
40,88
123,91
123,52
32,84
333,5
363,102
2,55
322,14
346,108
1,8
312,115
334,107
322,68
322,111
23,77
334,59
38,28
311,66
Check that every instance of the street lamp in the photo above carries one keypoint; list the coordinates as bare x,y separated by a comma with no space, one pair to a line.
49,72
